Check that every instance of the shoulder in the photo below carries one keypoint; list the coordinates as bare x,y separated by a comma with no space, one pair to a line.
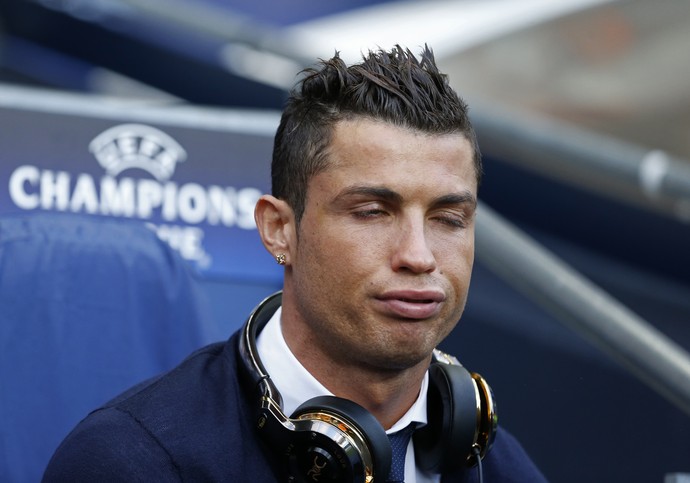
200,371
192,422
110,445
509,462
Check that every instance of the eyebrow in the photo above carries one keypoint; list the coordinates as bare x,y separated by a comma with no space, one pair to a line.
386,194
463,198
371,192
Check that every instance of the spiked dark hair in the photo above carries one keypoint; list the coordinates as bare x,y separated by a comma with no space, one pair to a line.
393,87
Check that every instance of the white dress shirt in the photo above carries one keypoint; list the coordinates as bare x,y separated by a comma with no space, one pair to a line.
296,385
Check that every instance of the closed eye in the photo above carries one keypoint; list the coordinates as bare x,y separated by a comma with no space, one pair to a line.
370,213
452,221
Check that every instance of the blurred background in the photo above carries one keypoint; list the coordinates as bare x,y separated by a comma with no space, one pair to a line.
582,108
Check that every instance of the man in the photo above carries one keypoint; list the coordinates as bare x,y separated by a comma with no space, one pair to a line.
374,189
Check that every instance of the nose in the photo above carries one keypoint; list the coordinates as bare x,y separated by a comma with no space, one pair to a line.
412,251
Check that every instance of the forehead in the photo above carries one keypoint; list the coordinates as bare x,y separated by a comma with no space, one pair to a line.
365,150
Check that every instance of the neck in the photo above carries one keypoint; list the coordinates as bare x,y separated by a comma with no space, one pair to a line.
387,396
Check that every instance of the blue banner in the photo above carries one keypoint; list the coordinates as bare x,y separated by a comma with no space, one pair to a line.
191,174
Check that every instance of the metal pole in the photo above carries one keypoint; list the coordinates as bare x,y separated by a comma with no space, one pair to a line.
584,307
613,167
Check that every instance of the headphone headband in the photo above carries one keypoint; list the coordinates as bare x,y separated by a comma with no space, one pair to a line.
247,348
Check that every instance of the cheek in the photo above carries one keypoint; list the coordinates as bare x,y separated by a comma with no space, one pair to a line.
352,245
456,267
330,256
455,252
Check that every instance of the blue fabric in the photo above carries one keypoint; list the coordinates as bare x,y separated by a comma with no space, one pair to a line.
507,462
399,442
88,307
196,423
193,424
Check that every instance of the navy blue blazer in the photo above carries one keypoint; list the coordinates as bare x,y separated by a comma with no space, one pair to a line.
196,423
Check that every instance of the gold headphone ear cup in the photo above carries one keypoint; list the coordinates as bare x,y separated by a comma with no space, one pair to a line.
454,412
343,419
489,416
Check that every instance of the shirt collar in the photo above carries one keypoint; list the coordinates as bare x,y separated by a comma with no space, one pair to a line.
297,385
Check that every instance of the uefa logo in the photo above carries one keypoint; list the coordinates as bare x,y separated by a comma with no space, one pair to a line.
137,146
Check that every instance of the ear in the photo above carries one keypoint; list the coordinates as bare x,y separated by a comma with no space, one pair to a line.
275,221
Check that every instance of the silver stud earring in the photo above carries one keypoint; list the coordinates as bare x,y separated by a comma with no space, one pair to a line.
280,258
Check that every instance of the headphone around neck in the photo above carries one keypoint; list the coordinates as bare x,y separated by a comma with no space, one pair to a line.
331,439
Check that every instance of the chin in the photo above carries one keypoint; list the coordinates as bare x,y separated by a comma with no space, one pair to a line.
397,360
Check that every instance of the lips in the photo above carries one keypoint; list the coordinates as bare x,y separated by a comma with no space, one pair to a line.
411,304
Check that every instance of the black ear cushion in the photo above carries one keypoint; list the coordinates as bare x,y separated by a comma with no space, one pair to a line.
446,441
375,436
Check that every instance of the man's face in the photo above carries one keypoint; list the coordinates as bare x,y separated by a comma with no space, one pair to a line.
385,247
